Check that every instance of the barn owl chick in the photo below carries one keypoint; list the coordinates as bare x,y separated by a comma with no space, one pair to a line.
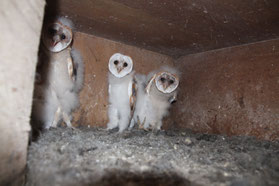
59,76
156,92
122,90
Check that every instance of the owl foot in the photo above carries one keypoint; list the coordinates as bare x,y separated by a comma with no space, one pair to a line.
141,124
111,125
74,128
67,120
56,118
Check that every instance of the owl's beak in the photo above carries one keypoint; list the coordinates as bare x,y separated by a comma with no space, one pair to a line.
54,43
165,86
55,40
119,69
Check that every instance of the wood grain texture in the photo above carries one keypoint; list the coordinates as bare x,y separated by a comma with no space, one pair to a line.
232,91
20,23
176,27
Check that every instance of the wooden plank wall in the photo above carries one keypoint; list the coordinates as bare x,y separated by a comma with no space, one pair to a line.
96,52
232,91
20,23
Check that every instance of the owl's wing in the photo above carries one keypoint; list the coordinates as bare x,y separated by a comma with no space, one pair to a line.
78,69
71,68
132,93
147,89
173,98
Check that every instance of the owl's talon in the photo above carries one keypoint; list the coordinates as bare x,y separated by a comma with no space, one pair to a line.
74,128
51,128
141,126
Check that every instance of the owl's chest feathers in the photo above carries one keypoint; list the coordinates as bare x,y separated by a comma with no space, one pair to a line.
58,75
118,88
158,97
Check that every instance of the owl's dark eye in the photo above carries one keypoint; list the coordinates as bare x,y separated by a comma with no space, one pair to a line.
52,31
115,62
163,79
63,36
171,81
125,64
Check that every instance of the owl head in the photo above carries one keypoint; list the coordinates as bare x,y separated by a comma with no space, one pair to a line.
120,65
166,82
57,35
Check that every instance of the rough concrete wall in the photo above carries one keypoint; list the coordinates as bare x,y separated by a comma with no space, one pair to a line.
233,91
20,25
96,53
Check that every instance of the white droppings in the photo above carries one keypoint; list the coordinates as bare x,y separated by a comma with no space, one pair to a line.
205,10
226,174
188,141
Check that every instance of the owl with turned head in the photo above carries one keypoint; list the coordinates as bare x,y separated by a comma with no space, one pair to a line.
59,76
156,93
122,92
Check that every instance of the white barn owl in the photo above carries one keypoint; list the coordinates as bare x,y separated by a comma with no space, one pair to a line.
156,92
59,76
122,91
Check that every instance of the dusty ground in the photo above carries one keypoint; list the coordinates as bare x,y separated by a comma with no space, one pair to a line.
69,157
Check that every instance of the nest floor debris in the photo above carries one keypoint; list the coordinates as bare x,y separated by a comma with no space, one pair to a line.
95,156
